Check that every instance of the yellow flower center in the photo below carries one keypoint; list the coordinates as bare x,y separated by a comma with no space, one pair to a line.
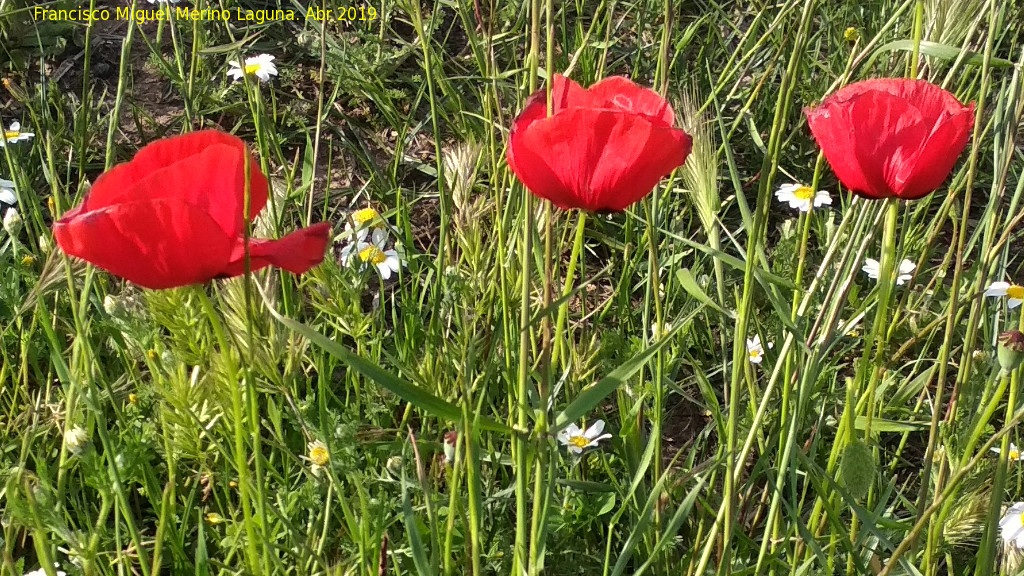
579,441
754,354
804,193
319,456
11,134
252,68
28,260
372,254
364,216
1014,454
1016,292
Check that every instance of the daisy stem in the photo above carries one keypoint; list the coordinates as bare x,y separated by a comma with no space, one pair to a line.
175,43
988,542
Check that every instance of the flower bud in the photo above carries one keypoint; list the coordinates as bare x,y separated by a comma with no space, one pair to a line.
112,305
1010,350
12,221
76,439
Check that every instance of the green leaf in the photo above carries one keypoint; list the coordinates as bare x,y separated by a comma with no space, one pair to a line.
883,425
590,397
407,391
940,51
232,48
689,283
412,530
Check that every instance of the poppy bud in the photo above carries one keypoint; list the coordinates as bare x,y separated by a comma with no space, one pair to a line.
1010,350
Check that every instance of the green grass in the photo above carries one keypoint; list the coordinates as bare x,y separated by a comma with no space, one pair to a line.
850,450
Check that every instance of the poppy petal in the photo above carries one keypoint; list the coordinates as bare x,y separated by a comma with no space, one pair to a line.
950,134
564,92
117,184
156,244
619,93
297,252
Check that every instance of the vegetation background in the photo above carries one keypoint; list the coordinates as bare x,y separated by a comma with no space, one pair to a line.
200,406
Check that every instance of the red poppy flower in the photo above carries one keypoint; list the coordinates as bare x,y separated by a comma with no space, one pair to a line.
891,137
601,149
173,216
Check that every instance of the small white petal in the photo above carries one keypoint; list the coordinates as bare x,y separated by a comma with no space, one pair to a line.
997,289
595,430
871,267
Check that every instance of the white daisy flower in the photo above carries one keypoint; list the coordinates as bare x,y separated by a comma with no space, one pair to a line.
7,192
803,197
360,222
1011,526
1014,293
261,66
14,134
576,440
1013,454
755,350
319,457
906,270
363,253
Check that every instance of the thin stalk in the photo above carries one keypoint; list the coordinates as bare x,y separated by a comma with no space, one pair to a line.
728,510
985,553
520,445
252,551
542,461
948,343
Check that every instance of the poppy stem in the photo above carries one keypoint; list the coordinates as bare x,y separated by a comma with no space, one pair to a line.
879,334
520,445
241,461
543,470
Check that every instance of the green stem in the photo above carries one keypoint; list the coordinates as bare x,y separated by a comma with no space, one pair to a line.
520,445
880,332
984,564
252,551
